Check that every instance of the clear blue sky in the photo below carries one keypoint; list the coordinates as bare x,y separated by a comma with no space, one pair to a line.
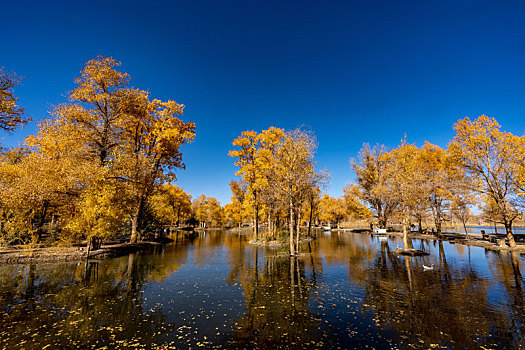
352,71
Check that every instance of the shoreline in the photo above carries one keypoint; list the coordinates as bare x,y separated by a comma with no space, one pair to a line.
459,239
23,255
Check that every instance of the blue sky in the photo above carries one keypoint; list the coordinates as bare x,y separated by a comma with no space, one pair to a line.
352,71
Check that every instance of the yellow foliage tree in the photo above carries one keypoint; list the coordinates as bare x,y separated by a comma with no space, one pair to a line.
354,207
441,176
371,182
407,180
208,211
149,152
332,210
249,169
96,216
171,204
108,136
489,157
293,171
11,115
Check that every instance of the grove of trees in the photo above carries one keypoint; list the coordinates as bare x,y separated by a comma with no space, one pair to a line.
104,164
94,166
482,166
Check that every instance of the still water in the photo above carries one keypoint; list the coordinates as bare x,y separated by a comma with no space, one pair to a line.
216,291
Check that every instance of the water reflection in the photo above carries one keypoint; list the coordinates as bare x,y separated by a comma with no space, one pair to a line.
215,290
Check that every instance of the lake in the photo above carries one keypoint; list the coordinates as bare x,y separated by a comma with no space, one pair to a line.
215,290
488,229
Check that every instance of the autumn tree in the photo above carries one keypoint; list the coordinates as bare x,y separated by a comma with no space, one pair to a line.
489,157
354,207
313,198
278,169
294,173
332,210
216,212
407,180
271,196
171,204
441,175
108,137
233,214
47,174
11,115
236,210
461,210
137,139
83,135
208,211
249,171
96,105
148,154
369,169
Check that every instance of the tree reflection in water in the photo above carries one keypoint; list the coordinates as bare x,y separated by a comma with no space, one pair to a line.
449,306
78,305
215,290
277,293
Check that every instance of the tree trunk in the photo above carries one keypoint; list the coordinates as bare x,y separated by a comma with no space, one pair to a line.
134,224
405,233
437,222
41,220
135,221
290,227
275,224
310,219
256,211
510,236
438,214
93,244
268,227
88,247
298,231
381,221
420,223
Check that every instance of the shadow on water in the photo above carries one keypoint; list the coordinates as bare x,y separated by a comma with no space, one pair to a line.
215,290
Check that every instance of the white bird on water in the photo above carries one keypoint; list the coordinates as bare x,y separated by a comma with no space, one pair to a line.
426,268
